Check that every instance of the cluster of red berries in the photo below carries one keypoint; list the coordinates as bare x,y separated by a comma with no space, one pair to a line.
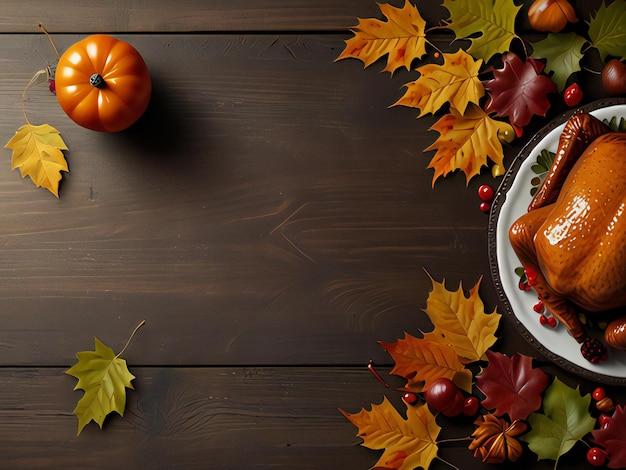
486,195
523,285
444,396
545,318
594,350
597,456
526,283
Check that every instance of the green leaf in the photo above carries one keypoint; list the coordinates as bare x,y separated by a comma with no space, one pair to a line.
615,124
607,30
492,20
545,159
104,377
565,421
563,53
537,169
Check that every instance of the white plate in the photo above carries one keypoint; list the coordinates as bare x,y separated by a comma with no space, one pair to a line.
511,202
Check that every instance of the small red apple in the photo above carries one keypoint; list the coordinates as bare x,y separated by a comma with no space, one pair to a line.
443,395
614,77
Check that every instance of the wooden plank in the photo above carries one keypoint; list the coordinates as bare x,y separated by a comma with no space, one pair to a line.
268,200
193,418
166,16
215,418
193,15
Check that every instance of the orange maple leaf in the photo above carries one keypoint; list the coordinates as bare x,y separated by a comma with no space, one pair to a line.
422,361
466,141
455,81
402,38
461,322
407,443
495,439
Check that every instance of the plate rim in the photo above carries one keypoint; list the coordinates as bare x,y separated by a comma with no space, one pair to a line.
494,214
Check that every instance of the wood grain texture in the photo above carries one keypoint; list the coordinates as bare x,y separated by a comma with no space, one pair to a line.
167,16
218,418
249,207
159,16
189,418
269,217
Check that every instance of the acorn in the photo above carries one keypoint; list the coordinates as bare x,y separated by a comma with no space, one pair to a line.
615,334
614,77
606,405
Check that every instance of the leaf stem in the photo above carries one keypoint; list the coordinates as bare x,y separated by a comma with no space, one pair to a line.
49,39
448,463
142,323
457,439
37,75
30,83
378,377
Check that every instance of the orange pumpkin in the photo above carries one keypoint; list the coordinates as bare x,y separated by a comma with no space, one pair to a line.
103,83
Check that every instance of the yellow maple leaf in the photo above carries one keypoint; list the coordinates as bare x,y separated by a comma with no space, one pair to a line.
407,443
461,322
37,152
104,377
466,141
455,81
402,38
422,361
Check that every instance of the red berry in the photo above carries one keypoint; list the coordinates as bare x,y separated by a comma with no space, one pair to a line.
485,207
52,86
596,456
598,394
523,285
470,406
603,420
552,322
486,193
531,275
538,307
543,320
572,95
410,398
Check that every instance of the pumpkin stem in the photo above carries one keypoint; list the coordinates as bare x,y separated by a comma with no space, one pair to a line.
97,81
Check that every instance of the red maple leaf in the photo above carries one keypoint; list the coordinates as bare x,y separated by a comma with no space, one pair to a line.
511,385
613,439
519,90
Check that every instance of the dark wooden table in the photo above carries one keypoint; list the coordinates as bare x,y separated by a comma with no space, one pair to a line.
269,217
